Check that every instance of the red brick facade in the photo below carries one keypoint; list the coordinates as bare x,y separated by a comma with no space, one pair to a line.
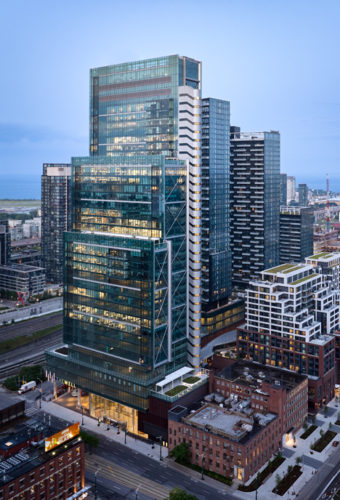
290,404
58,476
224,455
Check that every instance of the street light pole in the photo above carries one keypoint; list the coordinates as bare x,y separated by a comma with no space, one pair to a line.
40,392
160,448
125,432
137,491
82,415
95,484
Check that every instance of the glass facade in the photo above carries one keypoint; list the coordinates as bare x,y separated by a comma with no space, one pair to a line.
216,255
55,217
134,106
125,276
296,234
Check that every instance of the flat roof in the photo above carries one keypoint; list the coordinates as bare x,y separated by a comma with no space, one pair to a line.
174,376
249,372
31,457
7,400
286,268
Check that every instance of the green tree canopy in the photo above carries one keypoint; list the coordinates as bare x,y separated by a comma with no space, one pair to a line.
181,453
178,494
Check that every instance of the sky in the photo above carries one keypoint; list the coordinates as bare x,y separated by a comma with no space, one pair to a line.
276,61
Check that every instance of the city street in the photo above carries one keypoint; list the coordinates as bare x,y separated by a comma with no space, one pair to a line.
137,457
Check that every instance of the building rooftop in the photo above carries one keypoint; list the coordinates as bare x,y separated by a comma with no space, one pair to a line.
254,374
286,268
33,456
233,425
22,268
7,400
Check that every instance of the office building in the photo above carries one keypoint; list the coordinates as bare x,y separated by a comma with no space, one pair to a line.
303,195
255,203
23,279
291,189
296,234
153,107
126,281
55,217
218,311
283,190
233,443
5,241
291,313
35,468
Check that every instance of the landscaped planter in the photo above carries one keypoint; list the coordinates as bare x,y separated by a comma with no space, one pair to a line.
324,441
287,481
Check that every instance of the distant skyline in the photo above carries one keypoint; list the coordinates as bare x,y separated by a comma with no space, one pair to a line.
276,62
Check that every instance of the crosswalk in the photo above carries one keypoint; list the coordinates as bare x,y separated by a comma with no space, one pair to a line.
31,411
112,471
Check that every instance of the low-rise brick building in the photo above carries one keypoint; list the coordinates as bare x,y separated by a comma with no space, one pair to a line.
53,468
267,389
231,443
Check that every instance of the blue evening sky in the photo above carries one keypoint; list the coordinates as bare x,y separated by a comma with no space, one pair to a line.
277,61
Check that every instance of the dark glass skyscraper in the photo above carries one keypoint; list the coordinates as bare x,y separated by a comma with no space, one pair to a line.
255,203
218,312
132,263
5,241
55,217
296,234
216,256
303,195
283,190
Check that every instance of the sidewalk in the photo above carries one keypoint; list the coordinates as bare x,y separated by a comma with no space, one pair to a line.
91,425
310,463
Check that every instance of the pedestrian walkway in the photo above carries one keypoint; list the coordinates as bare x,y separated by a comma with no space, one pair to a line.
90,424
311,463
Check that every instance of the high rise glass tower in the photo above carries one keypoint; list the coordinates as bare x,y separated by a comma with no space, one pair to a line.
153,107
55,217
132,262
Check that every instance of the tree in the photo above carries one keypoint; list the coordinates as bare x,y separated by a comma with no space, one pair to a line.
325,410
11,384
298,460
178,494
90,440
277,479
290,468
28,373
181,453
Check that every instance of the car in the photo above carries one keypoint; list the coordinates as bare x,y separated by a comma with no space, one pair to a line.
335,443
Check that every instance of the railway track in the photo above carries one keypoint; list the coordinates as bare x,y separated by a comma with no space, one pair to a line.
14,368
30,354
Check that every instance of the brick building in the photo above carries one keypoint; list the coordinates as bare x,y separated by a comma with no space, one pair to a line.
267,389
292,313
43,471
231,443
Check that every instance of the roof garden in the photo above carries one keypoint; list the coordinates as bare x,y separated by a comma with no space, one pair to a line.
321,255
305,278
279,269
